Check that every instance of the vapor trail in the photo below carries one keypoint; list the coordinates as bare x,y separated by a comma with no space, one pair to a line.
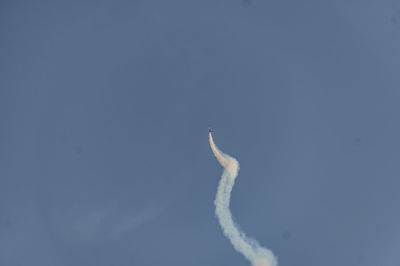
257,255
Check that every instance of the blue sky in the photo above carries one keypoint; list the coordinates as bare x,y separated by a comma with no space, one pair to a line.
104,110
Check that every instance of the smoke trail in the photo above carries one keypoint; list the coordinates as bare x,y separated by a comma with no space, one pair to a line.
257,255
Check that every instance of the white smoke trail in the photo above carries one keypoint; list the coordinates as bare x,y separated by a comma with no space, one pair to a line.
257,255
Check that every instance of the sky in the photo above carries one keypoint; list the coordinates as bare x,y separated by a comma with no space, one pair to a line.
104,115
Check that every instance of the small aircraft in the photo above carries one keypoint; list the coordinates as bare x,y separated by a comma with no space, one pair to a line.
210,130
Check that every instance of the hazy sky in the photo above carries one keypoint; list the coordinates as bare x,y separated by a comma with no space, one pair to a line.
104,110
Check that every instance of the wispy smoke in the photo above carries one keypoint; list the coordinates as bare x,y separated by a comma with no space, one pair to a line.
249,247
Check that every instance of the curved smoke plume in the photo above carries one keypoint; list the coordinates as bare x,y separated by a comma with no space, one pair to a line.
257,255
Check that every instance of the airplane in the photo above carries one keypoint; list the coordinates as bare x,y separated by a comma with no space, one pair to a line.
210,130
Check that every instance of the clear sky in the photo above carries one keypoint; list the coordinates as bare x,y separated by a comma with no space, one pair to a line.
104,110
